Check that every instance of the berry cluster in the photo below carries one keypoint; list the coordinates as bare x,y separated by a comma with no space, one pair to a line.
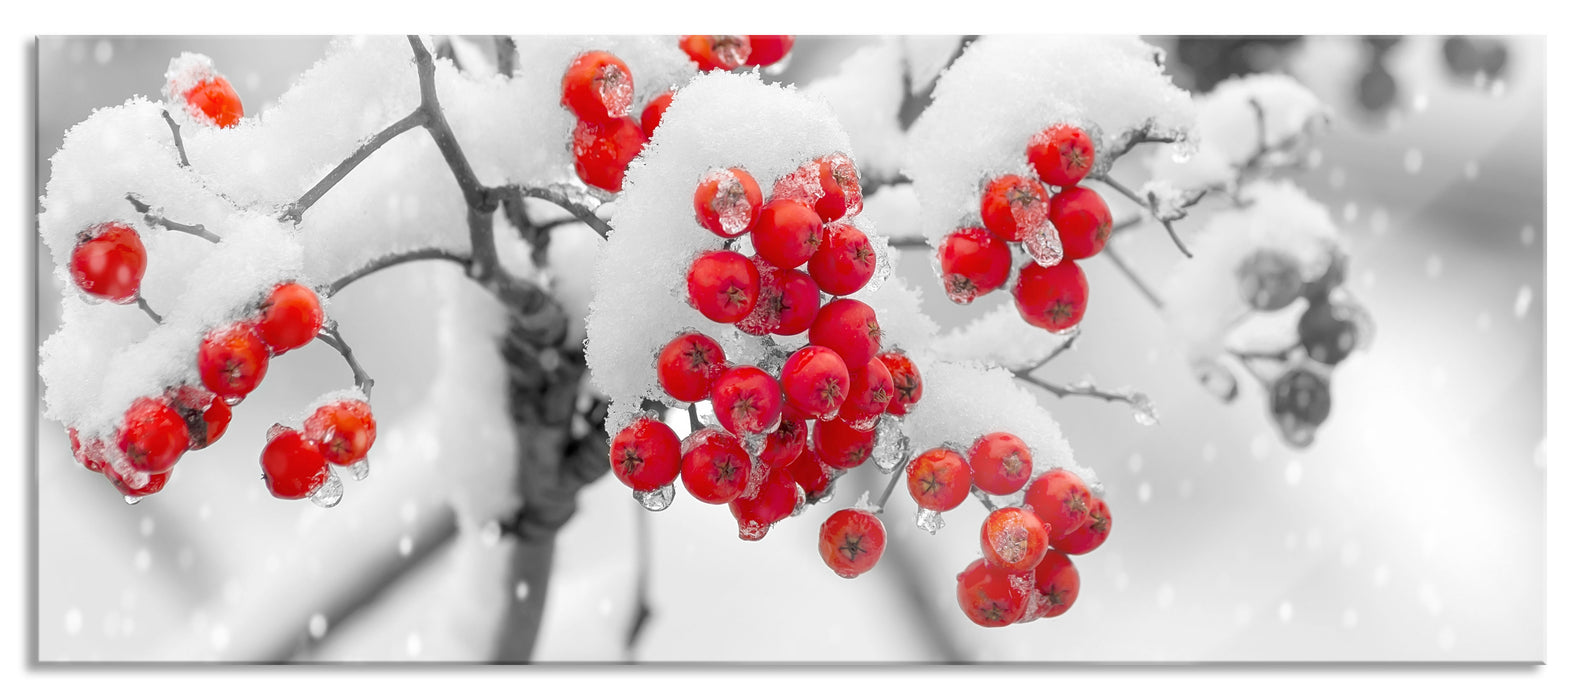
732,51
597,88
1050,291
297,461
1328,331
787,430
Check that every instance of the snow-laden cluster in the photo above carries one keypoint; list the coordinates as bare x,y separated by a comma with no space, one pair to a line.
1004,89
1204,293
1228,126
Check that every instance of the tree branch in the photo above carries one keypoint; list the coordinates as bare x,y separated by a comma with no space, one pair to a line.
1083,389
895,478
331,336
393,260
1152,205
560,196
642,610
175,133
294,212
1126,269
156,220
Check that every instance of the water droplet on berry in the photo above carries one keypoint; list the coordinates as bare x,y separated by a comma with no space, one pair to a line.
890,444
132,500
231,400
657,499
930,521
328,494
1143,409
752,532
1044,245
317,626
358,470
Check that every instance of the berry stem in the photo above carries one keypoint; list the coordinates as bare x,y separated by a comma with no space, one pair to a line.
143,304
175,133
1126,269
895,478
692,416
393,260
294,212
1065,390
983,499
162,222
331,335
641,611
1151,205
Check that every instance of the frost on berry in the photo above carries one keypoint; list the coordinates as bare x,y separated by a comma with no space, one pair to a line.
889,444
734,202
1043,244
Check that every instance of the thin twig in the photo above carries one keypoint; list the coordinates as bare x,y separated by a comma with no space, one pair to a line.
1071,339
1126,269
1063,391
331,336
393,260
143,304
175,133
1152,205
294,212
904,242
1131,138
692,417
1125,191
157,220
560,197
895,478
642,610
983,498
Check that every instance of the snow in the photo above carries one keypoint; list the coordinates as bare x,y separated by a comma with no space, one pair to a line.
927,55
1228,126
1003,338
866,93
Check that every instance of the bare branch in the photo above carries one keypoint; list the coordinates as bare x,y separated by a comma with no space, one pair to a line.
175,133
331,336
560,196
294,212
143,304
1071,339
983,498
157,220
905,242
1131,138
895,478
1152,205
692,417
1137,281
1082,389
393,260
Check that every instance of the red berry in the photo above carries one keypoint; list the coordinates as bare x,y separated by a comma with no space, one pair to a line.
343,429
290,318
776,499
848,327
646,454
214,100
871,391
293,466
1014,206
206,415
655,111
991,597
1013,539
973,263
714,466
1091,534
840,445
746,400
907,380
816,381
89,455
597,87
939,479
842,187
1060,500
787,443
1061,154
1052,298
811,474
601,152
796,300
232,360
787,233
1055,586
123,481
1001,463
845,260
152,436
723,285
851,541
767,50
723,51
108,262
688,366
1083,220
727,201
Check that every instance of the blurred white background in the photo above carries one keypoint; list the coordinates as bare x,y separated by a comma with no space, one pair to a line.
1411,530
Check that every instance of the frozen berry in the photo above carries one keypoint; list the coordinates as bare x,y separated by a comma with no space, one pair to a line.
845,260
908,382
714,466
1013,539
842,187
1299,402
1083,221
206,415
840,445
775,500
1318,289
601,151
746,400
727,201
816,381
796,301
851,541
785,444
1269,279
152,435
812,475
787,233
1001,463
293,466
135,484
688,366
289,318
723,285
108,262
215,101
1052,298
1014,206
939,479
871,391
850,328
1055,586
720,51
1060,500
646,454
973,263
991,597
1092,533
655,111
344,430
768,49
597,87
1061,154
1329,332
232,360
89,453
